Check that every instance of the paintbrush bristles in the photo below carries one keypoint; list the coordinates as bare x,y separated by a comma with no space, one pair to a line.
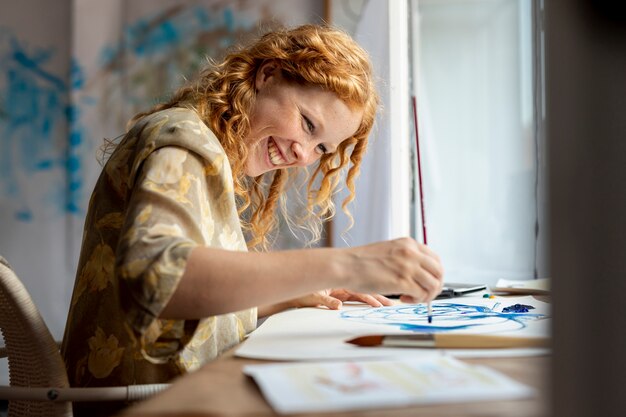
430,312
367,341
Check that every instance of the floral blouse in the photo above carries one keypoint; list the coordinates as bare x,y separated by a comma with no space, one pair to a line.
166,189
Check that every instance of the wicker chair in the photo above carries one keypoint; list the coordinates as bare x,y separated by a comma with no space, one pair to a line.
38,378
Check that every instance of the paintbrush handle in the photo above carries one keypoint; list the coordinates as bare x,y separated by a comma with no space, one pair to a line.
470,341
467,341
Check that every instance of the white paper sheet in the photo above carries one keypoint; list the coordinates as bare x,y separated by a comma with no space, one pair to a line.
341,386
321,334
527,286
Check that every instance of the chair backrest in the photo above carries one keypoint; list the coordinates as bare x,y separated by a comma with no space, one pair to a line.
33,355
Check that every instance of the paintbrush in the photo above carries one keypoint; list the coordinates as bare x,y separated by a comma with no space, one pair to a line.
429,306
449,341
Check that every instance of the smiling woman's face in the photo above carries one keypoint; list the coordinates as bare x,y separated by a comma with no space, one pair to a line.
293,125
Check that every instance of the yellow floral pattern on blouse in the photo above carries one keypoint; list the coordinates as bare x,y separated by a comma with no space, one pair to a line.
166,189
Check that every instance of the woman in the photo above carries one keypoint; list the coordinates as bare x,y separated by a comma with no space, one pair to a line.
165,282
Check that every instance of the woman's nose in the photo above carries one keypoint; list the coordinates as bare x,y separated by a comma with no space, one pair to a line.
304,154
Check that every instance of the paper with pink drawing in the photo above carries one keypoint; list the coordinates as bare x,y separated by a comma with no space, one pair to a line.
359,385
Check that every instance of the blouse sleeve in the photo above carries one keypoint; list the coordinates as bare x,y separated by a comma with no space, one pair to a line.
180,195
163,224
181,198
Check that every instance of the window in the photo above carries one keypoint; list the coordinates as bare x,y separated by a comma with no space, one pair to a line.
474,79
474,68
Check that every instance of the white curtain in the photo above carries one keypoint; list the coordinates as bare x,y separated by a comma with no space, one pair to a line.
371,209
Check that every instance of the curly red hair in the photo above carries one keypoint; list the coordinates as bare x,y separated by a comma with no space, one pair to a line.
224,94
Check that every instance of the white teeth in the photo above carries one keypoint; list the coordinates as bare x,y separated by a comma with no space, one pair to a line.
275,156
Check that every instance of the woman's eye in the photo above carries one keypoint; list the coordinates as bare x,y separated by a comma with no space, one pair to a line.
309,125
323,150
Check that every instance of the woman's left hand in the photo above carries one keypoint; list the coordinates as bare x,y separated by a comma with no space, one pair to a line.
334,298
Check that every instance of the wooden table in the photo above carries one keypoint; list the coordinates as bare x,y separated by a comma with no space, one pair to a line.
221,389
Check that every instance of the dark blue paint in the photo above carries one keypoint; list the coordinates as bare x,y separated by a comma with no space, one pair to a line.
517,308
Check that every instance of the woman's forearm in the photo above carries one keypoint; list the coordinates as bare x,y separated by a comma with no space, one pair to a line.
219,281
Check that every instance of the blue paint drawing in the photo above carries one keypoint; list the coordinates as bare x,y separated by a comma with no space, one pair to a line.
40,168
447,317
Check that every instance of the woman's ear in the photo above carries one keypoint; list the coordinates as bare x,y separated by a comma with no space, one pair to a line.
267,73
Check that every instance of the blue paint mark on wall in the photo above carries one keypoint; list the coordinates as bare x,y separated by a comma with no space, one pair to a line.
40,168
159,50
161,32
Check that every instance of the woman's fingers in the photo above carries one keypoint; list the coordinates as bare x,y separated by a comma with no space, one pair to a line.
317,299
429,274
399,266
407,299
327,301
417,269
368,299
383,300
431,263
331,302
374,300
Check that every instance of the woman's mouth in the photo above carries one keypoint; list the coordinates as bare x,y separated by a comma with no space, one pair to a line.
276,158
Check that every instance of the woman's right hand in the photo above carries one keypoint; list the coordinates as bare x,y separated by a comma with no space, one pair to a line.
399,266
